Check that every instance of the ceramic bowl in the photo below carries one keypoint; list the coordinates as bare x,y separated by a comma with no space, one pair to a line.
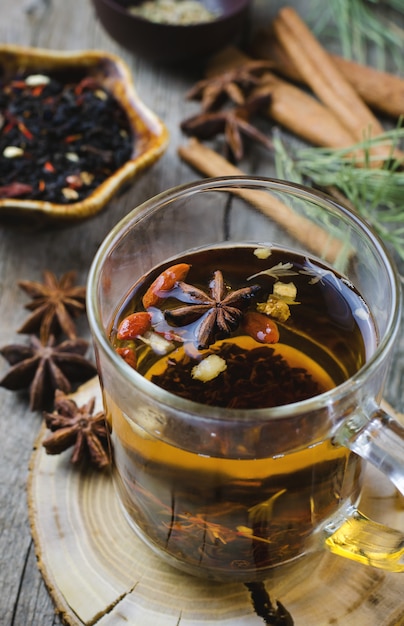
150,136
168,43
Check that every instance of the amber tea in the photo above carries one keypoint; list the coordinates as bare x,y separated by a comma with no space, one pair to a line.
201,327
237,327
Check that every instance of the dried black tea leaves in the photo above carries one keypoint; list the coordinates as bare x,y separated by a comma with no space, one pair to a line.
262,378
61,136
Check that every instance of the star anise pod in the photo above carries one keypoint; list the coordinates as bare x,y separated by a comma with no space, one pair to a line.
44,367
76,426
234,84
221,311
54,304
232,122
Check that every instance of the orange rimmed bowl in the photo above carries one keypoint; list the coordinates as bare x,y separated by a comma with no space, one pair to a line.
149,133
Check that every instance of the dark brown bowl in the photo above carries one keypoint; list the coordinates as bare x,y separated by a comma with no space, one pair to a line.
167,43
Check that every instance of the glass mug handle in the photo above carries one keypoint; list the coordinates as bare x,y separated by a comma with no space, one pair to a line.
378,438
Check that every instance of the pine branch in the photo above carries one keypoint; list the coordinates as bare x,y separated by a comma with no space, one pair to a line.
377,194
359,25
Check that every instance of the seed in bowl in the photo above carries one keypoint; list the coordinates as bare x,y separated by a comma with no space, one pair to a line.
183,13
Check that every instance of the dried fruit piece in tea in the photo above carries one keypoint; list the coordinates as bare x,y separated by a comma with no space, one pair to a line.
134,325
164,282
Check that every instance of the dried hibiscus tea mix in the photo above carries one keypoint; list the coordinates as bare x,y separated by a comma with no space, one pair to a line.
61,136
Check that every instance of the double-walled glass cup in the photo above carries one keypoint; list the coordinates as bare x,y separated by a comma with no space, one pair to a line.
231,494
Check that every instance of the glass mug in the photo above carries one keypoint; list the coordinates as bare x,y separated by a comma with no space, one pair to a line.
232,493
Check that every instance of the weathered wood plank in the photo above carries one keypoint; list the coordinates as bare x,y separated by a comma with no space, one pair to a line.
68,25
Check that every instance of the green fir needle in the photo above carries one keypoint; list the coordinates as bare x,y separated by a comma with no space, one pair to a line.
361,25
376,193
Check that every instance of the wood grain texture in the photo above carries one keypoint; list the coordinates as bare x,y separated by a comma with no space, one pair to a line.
24,253
97,569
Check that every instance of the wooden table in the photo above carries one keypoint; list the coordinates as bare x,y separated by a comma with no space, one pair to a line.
24,254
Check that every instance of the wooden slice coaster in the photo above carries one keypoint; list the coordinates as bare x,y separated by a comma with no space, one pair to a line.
98,571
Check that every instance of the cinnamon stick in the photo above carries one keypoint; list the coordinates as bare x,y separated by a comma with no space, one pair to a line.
323,76
303,115
328,83
382,91
212,164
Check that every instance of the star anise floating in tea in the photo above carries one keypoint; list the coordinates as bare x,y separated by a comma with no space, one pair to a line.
221,311
54,304
76,426
44,367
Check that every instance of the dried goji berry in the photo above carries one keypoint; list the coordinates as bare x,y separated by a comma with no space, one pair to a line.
134,325
260,327
164,282
48,167
128,355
